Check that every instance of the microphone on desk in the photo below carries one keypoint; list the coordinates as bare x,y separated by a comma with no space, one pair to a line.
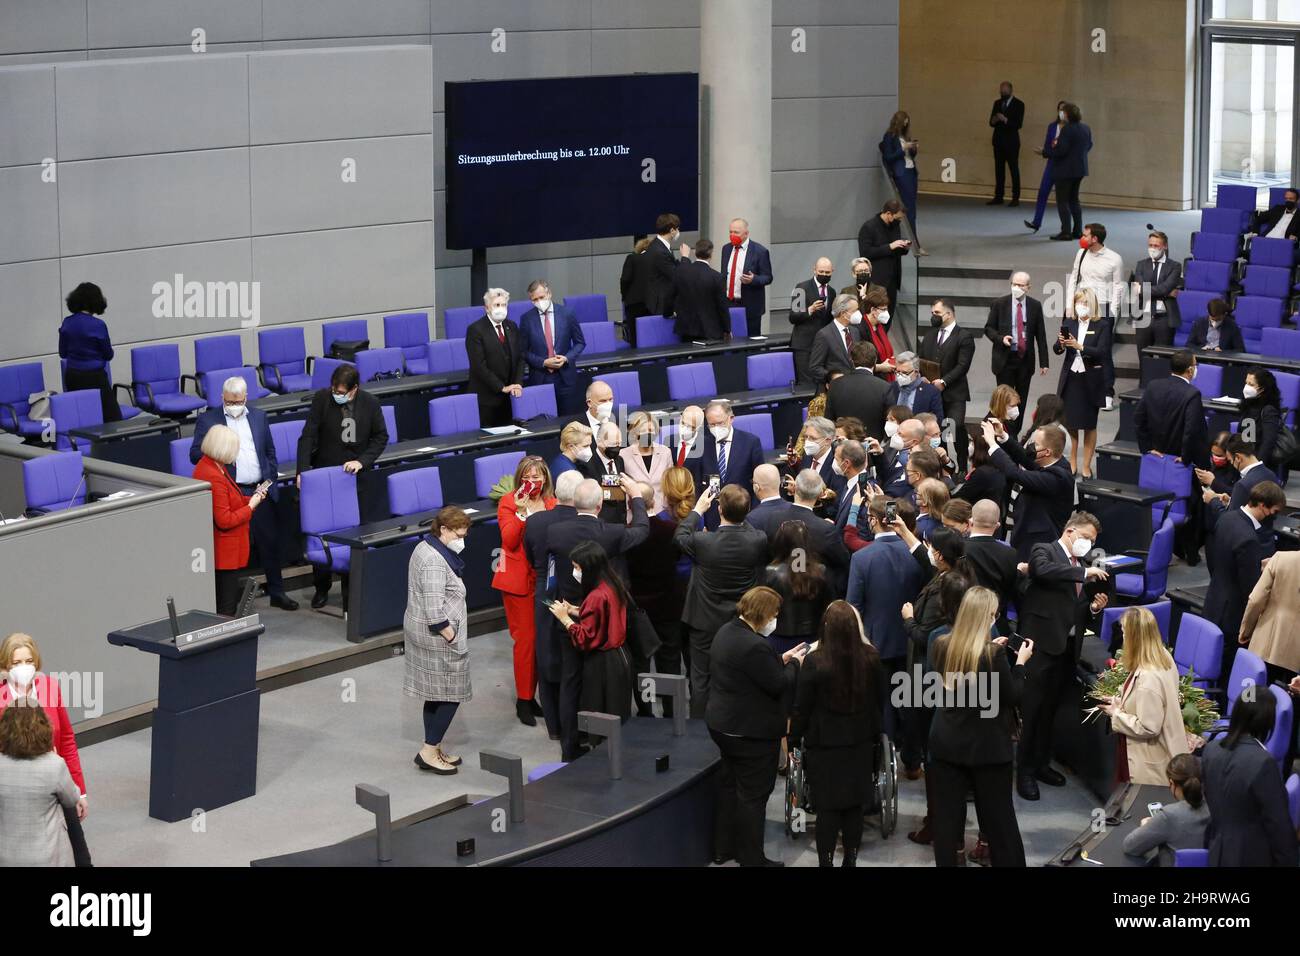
171,617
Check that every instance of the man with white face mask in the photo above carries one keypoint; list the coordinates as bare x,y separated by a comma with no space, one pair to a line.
1018,333
495,348
833,344
730,454
552,342
1156,279
911,391
599,408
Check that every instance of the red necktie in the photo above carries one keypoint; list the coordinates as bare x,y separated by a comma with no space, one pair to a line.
501,334
546,331
731,283
848,340
1020,328
681,455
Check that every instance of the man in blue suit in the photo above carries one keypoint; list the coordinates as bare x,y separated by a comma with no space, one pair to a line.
729,453
552,342
255,463
912,391
883,577
1252,472
746,273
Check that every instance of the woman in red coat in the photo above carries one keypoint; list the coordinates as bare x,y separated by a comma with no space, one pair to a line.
516,579
20,659
231,512
875,310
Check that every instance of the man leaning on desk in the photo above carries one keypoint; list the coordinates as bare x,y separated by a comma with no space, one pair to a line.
345,426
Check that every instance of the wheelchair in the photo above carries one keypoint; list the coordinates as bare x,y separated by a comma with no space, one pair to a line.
800,806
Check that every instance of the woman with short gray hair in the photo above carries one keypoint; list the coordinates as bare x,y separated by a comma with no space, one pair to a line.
231,512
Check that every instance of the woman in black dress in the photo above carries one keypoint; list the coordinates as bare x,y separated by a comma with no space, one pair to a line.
984,480
1086,342
838,712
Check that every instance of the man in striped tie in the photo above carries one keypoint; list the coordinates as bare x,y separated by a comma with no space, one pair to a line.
729,453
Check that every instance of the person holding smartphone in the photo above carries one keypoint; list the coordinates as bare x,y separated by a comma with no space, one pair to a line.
232,512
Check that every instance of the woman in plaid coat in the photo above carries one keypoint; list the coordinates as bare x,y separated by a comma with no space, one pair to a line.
436,631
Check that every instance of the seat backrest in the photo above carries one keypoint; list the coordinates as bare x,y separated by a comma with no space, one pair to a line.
456,320
600,337
453,414
1159,555
1277,195
1272,252
1192,858
1273,342
211,382
74,410
285,348
322,369
535,400
1255,313
516,308
285,435
691,381
390,422
1293,798
1192,305
343,330
415,490
489,469
160,366
406,330
459,354
17,383
1248,671
1228,196
1207,276
1215,247
769,370
327,501
1199,648
739,324
372,362
1209,379
759,424
654,330
1279,741
54,482
1232,221
589,308
179,452
1288,384
1271,281
217,351
438,354
626,387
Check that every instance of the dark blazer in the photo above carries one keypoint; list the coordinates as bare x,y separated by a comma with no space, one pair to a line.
701,303
799,617
1008,133
1170,418
1096,350
1250,822
805,325
1267,219
661,274
321,444
652,572
954,360
1268,421
1235,555
1046,495
828,541
1002,322
995,566
891,473
491,366
828,353
754,295
1070,154
1048,605
634,282
1171,277
549,636
744,455
882,578
568,340
728,562
1240,492
986,481
926,398
749,687
822,727
768,516
966,736
862,395
261,430
873,243
1230,338
563,536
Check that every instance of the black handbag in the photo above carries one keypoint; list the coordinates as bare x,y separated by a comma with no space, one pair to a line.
1285,448
641,633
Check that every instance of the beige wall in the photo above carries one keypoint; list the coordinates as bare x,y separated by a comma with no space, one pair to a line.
1137,96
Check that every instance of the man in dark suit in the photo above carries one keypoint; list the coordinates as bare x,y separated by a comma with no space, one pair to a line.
881,240
496,361
1046,485
1170,415
1280,221
825,538
729,453
1055,610
605,467
634,286
859,393
995,562
256,463
892,470
1006,118
1069,156
819,455
561,538
746,274
1250,473
1162,277
770,509
912,391
832,344
1236,559
552,343
700,302
810,310
660,270
1216,331
728,563
952,348
345,426
850,465
1018,333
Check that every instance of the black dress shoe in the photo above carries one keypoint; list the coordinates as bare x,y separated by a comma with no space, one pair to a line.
994,202
1053,778
1062,237
1014,202
1076,236
1027,787
536,708
525,713
320,599
553,736
767,862
1032,227
284,602
719,859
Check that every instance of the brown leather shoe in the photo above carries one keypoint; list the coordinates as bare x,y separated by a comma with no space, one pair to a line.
923,835
916,774
980,854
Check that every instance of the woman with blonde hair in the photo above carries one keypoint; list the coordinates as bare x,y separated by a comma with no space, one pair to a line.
1146,715
646,459
1085,341
575,449
678,489
1004,407
971,735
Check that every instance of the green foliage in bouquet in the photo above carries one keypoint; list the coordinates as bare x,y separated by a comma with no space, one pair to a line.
505,486
1199,711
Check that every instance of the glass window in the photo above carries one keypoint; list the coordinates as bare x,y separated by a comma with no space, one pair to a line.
1250,113
1258,11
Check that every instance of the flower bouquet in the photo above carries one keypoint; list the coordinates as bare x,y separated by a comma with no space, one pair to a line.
505,486
1199,711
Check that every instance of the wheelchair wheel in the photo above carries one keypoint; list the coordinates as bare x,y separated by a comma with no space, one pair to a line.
887,786
796,796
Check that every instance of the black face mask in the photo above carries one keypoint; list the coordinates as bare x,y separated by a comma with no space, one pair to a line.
824,279
1031,451
1290,207
936,320
862,278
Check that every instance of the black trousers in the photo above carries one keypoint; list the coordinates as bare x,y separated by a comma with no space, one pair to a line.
264,530
634,311
801,376
671,657
1067,205
699,642
948,785
570,697
897,724
97,379
955,410
745,781
1006,155
1047,680
1156,332
830,825
494,410
228,588
77,837
1019,374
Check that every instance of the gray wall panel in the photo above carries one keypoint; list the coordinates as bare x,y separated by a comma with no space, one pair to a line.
840,61
31,215
139,201
807,133
33,308
140,23
558,53
457,16
645,51
299,187
176,103
27,106
635,14
38,26
152,52
806,13
294,19
808,205
307,95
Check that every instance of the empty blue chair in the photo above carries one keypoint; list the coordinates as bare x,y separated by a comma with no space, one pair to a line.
156,381
1279,343
210,384
178,450
373,362
390,422
321,371
1160,610
285,435
327,501
490,469
601,337
1279,741
70,410
17,384
759,425
413,491
409,331
456,321
1215,247
1274,282
1229,196
1293,798
1254,314
343,330
739,324
516,308
447,355
589,308
1280,253
54,482
1166,474
1209,380
536,400
626,387
770,370
453,414
1191,858
217,352
1288,384
1199,650
1248,671
282,359
691,381
1232,221
654,330
1207,277
1150,584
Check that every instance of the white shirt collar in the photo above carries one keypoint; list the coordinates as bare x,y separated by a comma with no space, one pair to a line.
1253,519
763,501
1249,467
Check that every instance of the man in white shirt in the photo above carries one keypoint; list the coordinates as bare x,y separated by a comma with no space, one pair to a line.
687,446
1280,221
1101,270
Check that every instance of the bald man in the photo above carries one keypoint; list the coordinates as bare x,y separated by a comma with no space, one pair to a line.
687,444
746,273
810,309
770,509
995,563
1015,327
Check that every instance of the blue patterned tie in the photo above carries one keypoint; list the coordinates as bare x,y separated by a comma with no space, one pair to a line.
722,461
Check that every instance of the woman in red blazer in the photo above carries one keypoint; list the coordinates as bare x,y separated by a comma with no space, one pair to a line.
516,580
231,512
20,659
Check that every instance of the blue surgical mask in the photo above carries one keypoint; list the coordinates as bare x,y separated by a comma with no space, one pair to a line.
339,399
936,442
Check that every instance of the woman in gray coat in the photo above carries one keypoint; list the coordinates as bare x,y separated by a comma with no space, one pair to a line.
35,785
437,638
1174,826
